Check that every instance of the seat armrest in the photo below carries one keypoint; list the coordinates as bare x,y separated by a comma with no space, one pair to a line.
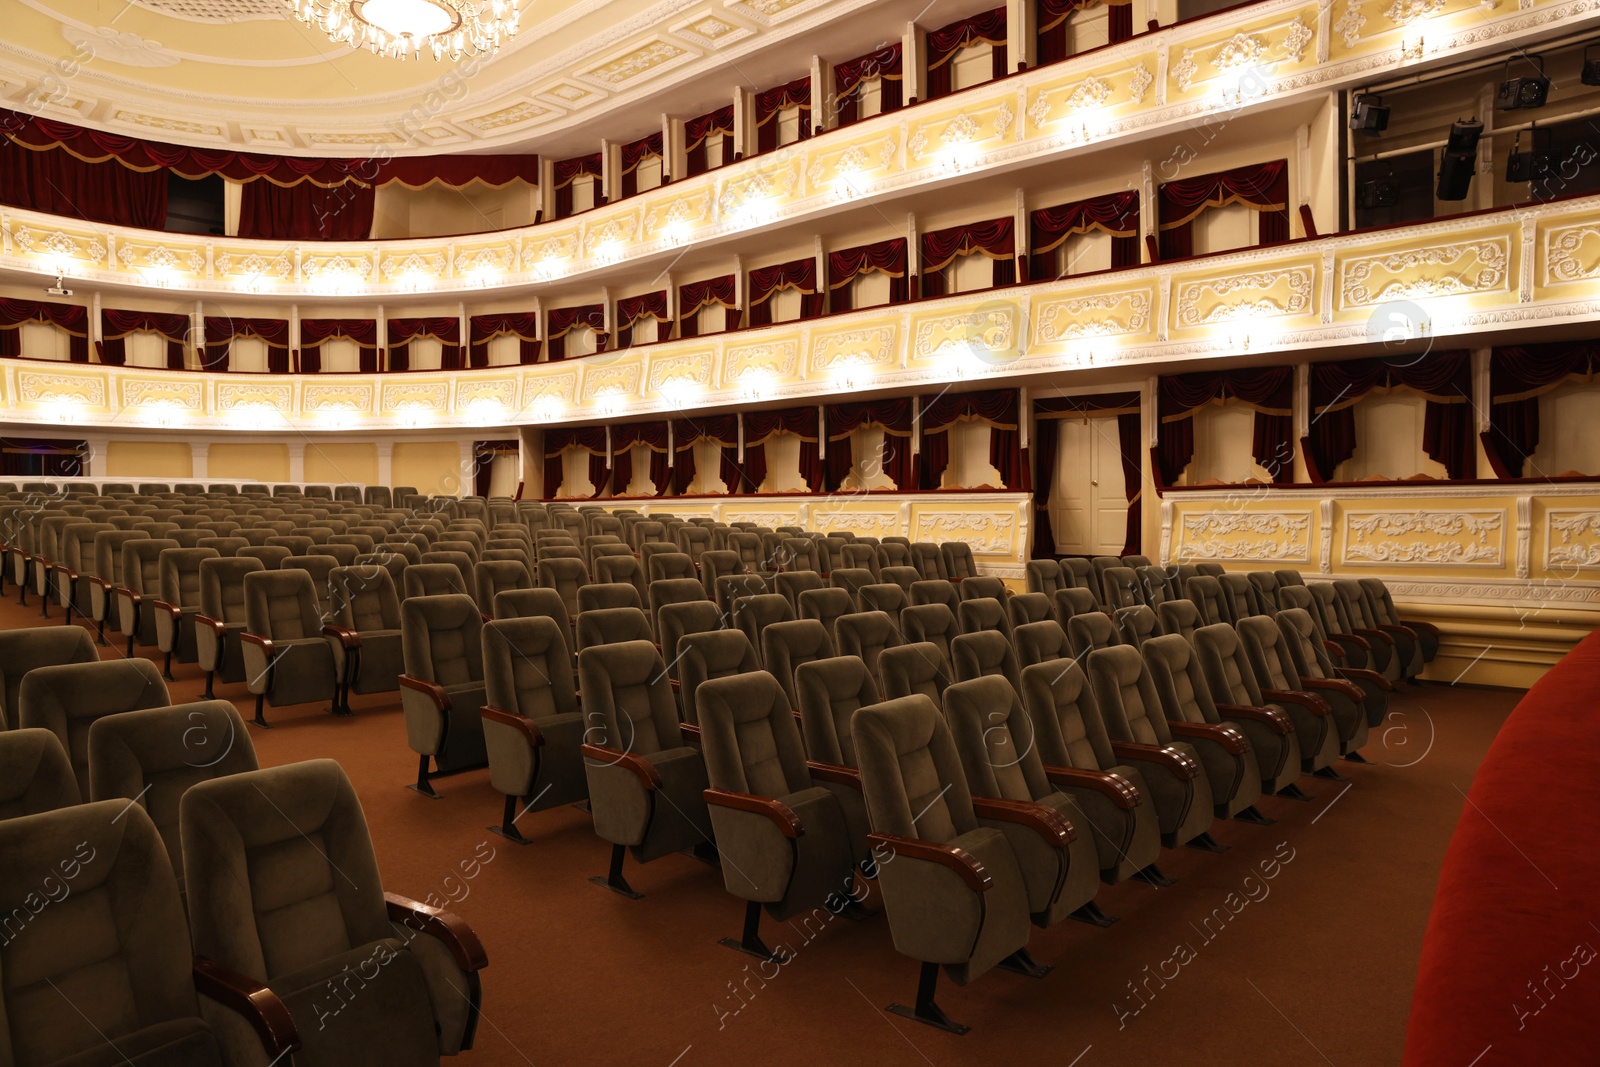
641,768
1367,676
1334,649
526,727
123,590
216,626
436,693
1374,635
690,732
443,926
1046,822
1349,689
1310,701
95,579
1390,628
1115,788
263,643
1417,625
1272,717
787,822
71,574
168,609
835,773
963,863
345,636
259,1005
1181,766
1228,737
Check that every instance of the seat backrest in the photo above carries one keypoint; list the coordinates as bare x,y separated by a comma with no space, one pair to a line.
222,587
608,626
1205,592
363,598
1181,684
788,643
622,569
984,653
1179,617
866,634
1240,594
153,756
527,667
894,552
496,576
731,587
854,555
935,591
752,614
565,576
1075,601
1227,668
747,546
749,736
1354,600
717,562
1066,720
935,623
1288,577
1302,639
1024,608
1091,631
670,566
911,774
627,698
1268,653
1136,624
1121,587
958,561
712,654
830,691
852,580
441,639
1127,696
976,587
1045,576
596,597
27,649
179,569
904,577
1040,642
141,564
928,560
1265,584
35,774
882,596
1156,585
674,621
792,583
67,698
914,668
435,579
108,553
983,614
827,606
282,604
995,738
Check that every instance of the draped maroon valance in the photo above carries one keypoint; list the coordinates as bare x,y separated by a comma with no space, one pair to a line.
798,274
589,439
116,326
1269,391
721,429
692,296
315,332
1262,187
61,184
1518,376
307,212
95,146
221,330
523,325
636,152
997,408
1116,214
761,426
884,257
72,319
779,98
1052,13
652,434
884,64
563,320
631,309
1444,378
892,415
569,170
995,238
445,328
1044,444
944,43
696,130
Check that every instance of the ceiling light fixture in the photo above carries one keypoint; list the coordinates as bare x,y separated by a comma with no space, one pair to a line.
402,29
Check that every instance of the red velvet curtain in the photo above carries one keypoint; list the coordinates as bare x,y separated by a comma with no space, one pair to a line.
1445,378
444,329
848,77
591,439
623,438
759,426
724,430
796,94
71,318
560,321
56,182
1116,214
848,264
307,211
946,41
997,408
1268,390
222,329
635,153
566,171
995,238
800,274
1518,376
695,132
630,309
1264,187
1129,433
892,415
115,326
523,325
315,332
696,295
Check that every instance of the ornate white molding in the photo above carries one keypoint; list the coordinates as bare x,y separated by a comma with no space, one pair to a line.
1271,535
1474,538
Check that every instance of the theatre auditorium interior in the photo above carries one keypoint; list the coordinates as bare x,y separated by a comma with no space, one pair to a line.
681,533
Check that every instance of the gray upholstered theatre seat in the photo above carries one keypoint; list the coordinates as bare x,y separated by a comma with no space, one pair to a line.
712,654
753,614
1179,617
827,606
442,689
1023,608
287,658
935,623
67,698
953,892
368,653
919,668
787,644
1137,624
984,614
610,626
886,597
865,634
25,650
318,913
1288,738
1040,642
106,576
221,619
935,591
1309,654
179,602
1205,592
1274,669
1192,716
35,774
982,654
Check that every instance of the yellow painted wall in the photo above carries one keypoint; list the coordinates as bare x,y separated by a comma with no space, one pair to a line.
149,459
342,462
433,467
257,460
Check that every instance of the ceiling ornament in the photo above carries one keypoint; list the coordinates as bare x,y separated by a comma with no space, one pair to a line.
404,29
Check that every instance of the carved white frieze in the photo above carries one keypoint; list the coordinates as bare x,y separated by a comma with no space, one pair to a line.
1475,538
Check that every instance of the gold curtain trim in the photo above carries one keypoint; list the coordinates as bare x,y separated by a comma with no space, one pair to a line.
1232,198
42,321
799,107
812,439
1088,228
957,51
1509,398
775,290
874,425
971,418
1095,413
967,251
864,271
1260,409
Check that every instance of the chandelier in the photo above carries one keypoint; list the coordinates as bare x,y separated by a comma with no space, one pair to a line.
401,29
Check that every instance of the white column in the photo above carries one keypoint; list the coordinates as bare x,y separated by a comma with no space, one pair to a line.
610,178
383,338
821,96
294,333
547,188
1147,210
822,274
464,325
297,462
1482,399
669,155
1019,237
738,287
610,310
94,460
197,336
913,257
911,73
385,462
96,334
672,307
1020,36
740,104
199,457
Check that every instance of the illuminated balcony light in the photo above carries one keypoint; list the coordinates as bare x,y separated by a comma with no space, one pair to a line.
487,411
549,267
337,418
164,413
548,408
680,392
610,401
65,412
415,281
608,251
851,184
851,374
757,384
252,416
675,232
755,211
959,157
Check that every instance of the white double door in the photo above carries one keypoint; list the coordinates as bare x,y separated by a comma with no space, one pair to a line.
1088,500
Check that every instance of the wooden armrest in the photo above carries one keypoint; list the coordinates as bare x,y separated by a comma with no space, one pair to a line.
168,609
1311,701
526,727
1272,717
1418,625
443,926
436,693
1115,788
1333,648
263,643
123,590
95,579
1375,635
347,637
259,1005
835,773
1359,642
690,732
1349,689
1181,766
963,863
647,774
217,626
1389,628
71,574
787,821
1367,676
1228,737
1046,822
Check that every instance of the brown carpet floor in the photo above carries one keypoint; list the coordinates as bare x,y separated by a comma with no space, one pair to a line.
1312,965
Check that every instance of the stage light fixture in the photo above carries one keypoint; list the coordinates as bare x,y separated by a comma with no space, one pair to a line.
1368,114
1529,91
1459,160
1591,67
1533,164
1378,192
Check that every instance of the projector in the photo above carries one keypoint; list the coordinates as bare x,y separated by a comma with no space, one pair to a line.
1517,94
59,288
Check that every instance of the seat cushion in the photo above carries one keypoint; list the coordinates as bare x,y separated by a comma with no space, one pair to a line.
368,1005
175,1043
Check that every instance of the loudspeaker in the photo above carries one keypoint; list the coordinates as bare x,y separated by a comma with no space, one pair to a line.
1367,114
1516,94
1379,192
